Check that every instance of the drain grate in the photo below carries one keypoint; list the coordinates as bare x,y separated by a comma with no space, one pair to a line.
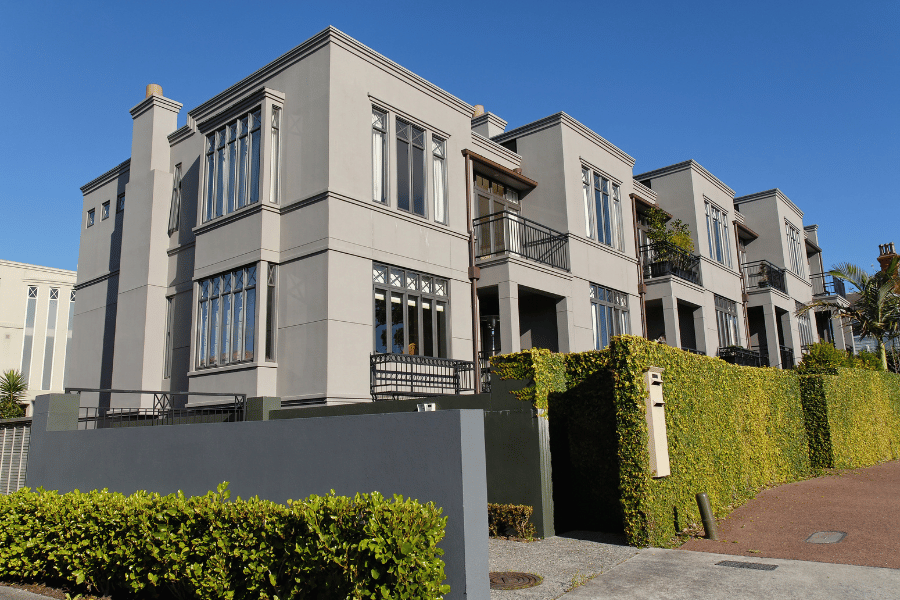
746,565
826,537
514,581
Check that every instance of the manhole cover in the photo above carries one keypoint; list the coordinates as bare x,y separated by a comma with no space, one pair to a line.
746,565
514,581
826,537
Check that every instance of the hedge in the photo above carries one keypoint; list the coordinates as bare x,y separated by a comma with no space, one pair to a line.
731,431
855,416
510,520
146,545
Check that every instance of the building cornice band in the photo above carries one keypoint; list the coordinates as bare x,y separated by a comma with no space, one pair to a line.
41,268
683,166
160,101
106,177
562,118
768,194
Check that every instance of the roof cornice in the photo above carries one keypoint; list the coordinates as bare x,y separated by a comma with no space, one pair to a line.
106,177
492,146
768,194
160,101
682,166
489,117
180,134
30,267
643,191
329,35
562,118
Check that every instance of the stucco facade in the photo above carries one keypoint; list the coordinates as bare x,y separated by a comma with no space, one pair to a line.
334,206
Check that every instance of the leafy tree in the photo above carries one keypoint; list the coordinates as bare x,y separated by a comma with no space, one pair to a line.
12,389
875,310
675,232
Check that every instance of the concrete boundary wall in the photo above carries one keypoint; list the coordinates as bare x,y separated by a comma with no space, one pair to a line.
433,456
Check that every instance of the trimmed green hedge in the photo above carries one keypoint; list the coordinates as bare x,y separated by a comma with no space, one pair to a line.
857,414
146,545
731,431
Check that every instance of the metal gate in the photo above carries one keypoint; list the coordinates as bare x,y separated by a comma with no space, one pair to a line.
15,436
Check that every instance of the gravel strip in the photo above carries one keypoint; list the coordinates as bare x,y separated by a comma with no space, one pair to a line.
564,561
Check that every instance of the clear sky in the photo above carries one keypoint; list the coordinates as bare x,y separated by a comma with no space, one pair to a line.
803,96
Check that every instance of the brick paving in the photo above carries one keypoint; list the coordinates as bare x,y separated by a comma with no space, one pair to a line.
863,503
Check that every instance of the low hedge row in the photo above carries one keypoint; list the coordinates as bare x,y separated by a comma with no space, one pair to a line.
510,520
148,546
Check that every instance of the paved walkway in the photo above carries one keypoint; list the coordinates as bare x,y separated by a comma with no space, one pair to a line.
680,575
863,503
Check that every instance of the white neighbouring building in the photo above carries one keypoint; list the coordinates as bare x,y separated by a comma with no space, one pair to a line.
36,316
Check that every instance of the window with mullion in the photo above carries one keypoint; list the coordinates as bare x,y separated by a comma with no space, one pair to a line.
379,155
602,209
726,322
410,167
609,314
717,234
232,166
410,312
793,237
227,318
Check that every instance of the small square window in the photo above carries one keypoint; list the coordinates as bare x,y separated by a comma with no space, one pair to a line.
104,211
54,293
90,217
32,291
120,203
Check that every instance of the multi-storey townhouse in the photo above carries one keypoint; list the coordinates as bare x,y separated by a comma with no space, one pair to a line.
826,287
335,228
693,301
36,308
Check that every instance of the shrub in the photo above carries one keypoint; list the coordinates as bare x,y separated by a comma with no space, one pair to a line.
510,520
145,545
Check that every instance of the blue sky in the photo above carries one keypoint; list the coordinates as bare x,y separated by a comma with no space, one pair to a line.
803,96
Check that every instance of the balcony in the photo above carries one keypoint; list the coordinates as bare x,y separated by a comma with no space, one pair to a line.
506,233
744,357
786,354
824,284
693,351
661,259
396,376
762,275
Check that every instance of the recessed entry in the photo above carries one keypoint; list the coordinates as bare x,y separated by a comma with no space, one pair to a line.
826,537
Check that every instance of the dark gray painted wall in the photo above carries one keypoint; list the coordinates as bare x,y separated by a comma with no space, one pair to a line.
516,443
434,456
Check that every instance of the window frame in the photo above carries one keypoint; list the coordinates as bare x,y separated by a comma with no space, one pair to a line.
727,321
613,305
168,341
385,155
717,220
90,218
120,202
795,249
440,216
203,331
611,196
175,206
104,211
419,292
270,352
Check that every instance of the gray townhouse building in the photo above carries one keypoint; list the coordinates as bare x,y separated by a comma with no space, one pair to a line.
334,228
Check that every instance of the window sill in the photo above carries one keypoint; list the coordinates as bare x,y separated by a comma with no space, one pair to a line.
235,367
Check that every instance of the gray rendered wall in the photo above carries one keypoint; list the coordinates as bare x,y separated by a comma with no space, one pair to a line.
433,457
516,443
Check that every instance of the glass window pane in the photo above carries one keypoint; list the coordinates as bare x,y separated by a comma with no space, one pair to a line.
442,340
440,208
224,347
418,180
204,323
412,322
213,330
254,164
378,164
221,178
403,187
379,273
237,326
398,339
250,329
427,328
380,322
231,195
242,171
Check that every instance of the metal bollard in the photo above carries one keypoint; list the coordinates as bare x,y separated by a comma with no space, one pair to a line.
706,515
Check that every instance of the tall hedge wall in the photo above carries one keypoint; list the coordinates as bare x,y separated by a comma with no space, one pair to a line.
857,414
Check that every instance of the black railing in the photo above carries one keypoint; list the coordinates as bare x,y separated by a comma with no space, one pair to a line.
787,357
693,351
745,357
163,412
506,232
824,284
762,274
660,259
484,361
395,376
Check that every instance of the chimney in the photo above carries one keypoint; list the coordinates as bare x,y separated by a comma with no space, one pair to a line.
487,123
886,254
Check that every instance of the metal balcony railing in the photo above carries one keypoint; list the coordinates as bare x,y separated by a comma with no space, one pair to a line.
745,357
824,284
163,412
506,232
787,357
484,360
762,274
693,351
395,376
660,259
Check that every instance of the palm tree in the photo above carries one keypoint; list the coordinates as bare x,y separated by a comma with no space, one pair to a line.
876,309
12,389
